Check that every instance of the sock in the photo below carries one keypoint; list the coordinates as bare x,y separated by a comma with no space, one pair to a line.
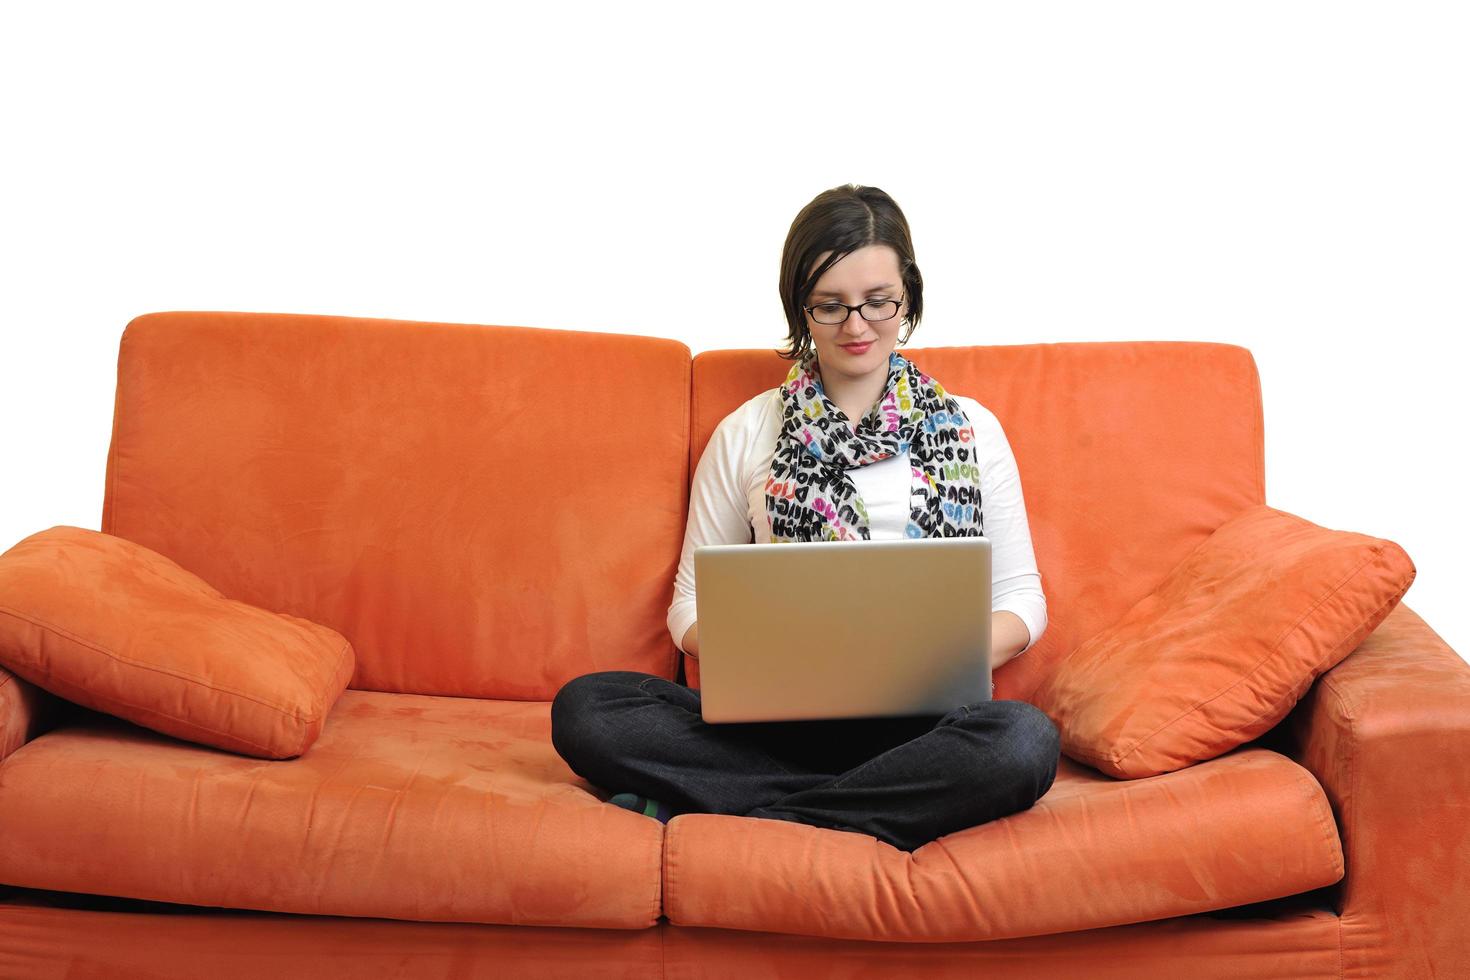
661,812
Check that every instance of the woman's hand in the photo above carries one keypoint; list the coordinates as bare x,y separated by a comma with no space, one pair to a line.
691,641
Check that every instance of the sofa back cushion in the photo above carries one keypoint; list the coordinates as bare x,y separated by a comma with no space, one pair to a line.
482,511
1130,453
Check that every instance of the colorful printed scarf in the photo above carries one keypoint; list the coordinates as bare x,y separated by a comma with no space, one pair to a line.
810,497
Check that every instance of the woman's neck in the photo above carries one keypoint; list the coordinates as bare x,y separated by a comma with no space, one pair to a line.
854,396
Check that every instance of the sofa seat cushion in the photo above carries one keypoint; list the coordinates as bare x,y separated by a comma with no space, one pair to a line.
407,807
1095,851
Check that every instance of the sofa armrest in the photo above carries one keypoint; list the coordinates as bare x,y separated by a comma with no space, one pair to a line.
690,676
1387,734
26,711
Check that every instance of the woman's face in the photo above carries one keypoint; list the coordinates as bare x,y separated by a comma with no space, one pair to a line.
867,274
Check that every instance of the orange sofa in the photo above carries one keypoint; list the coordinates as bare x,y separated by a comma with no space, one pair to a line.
382,478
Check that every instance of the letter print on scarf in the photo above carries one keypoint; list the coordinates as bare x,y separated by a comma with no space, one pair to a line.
810,497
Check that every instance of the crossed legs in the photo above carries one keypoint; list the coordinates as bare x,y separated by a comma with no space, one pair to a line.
904,781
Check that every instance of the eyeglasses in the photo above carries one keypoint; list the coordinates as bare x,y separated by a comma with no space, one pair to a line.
874,311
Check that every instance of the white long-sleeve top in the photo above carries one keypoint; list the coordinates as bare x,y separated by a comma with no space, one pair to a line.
727,505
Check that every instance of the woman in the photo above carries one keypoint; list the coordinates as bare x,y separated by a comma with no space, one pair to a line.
848,282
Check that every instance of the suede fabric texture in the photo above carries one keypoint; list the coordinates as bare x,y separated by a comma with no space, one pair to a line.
1225,646
116,627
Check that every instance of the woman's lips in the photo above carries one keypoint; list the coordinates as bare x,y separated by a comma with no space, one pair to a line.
856,348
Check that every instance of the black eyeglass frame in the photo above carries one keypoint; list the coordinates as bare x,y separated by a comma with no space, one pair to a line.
847,310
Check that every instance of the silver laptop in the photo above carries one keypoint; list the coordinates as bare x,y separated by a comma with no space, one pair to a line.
842,629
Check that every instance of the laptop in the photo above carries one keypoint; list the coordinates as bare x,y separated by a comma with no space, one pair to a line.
808,630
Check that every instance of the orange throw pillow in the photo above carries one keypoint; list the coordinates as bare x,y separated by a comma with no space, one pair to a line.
113,626
1225,645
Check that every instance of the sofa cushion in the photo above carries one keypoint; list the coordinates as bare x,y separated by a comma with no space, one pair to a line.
1094,851
1222,649
117,627
408,807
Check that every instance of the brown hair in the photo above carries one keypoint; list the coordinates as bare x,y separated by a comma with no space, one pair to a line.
842,220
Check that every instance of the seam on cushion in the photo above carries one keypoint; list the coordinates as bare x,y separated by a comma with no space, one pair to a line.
658,879
319,707
194,680
1080,753
668,869
1267,658
1318,800
194,724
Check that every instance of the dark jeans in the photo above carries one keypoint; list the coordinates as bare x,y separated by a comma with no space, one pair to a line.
903,780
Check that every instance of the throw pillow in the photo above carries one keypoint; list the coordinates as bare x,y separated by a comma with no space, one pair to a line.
119,628
1224,647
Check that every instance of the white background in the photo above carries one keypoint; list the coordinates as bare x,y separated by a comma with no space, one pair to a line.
1290,177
